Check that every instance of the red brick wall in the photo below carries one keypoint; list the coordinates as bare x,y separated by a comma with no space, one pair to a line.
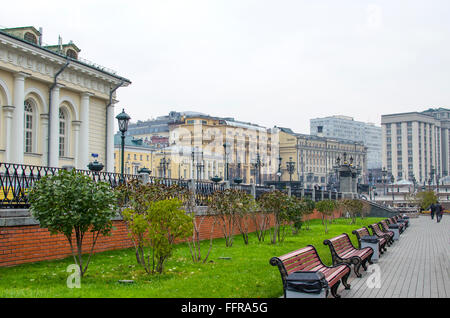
25,244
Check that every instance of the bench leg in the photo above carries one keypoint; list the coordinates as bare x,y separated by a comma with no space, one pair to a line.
356,269
334,290
344,281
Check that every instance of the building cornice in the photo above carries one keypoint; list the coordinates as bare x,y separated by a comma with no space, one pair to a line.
44,63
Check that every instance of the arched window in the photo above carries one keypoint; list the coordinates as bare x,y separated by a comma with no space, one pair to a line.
28,121
62,133
30,37
72,54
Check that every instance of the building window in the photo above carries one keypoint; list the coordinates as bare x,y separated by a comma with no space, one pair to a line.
72,54
62,133
30,37
28,142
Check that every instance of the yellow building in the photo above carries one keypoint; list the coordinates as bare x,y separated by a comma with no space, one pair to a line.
193,145
214,146
313,158
56,109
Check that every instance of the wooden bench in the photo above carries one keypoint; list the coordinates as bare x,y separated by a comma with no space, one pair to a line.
401,226
385,228
364,231
307,259
378,232
343,252
401,219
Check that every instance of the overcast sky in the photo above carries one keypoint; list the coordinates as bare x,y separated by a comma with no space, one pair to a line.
269,62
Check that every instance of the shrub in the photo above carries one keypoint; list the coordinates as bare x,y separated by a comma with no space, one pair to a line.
155,218
71,203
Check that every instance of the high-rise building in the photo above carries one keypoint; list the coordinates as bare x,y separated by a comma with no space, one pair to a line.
345,127
416,145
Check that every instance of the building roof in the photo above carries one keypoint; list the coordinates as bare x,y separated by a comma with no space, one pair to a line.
47,50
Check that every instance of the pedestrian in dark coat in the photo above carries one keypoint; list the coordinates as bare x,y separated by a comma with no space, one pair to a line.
439,212
433,210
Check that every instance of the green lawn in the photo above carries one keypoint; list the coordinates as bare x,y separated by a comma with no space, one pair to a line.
247,274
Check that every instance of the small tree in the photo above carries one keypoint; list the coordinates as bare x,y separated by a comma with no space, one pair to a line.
326,207
278,203
167,222
295,212
353,207
308,206
231,207
425,199
72,204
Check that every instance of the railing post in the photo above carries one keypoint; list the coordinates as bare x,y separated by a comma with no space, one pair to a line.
254,190
321,194
314,194
227,184
289,190
192,189
329,194
303,193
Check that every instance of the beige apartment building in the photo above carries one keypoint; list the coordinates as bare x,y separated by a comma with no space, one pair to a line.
314,157
201,146
416,145
56,109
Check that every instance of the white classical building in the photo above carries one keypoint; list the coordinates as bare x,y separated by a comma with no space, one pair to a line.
55,109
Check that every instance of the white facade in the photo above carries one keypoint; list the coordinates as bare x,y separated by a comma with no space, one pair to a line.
345,127
53,109
416,145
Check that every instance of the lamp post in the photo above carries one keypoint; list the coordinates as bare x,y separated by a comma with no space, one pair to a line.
225,155
279,168
392,182
384,174
123,120
290,166
257,166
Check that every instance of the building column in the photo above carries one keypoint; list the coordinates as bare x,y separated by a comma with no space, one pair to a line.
17,138
44,134
53,153
110,138
83,144
8,112
76,143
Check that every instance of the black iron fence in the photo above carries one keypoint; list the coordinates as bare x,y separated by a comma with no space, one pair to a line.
16,180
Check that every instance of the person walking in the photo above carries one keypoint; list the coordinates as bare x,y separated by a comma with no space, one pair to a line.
439,212
433,209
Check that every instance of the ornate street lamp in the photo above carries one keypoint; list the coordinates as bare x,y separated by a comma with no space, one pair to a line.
225,155
257,166
392,182
384,174
123,120
279,168
290,166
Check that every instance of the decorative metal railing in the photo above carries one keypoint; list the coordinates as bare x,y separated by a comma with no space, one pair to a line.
17,179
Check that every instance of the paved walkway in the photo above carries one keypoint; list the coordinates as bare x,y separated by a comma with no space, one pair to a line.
415,266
